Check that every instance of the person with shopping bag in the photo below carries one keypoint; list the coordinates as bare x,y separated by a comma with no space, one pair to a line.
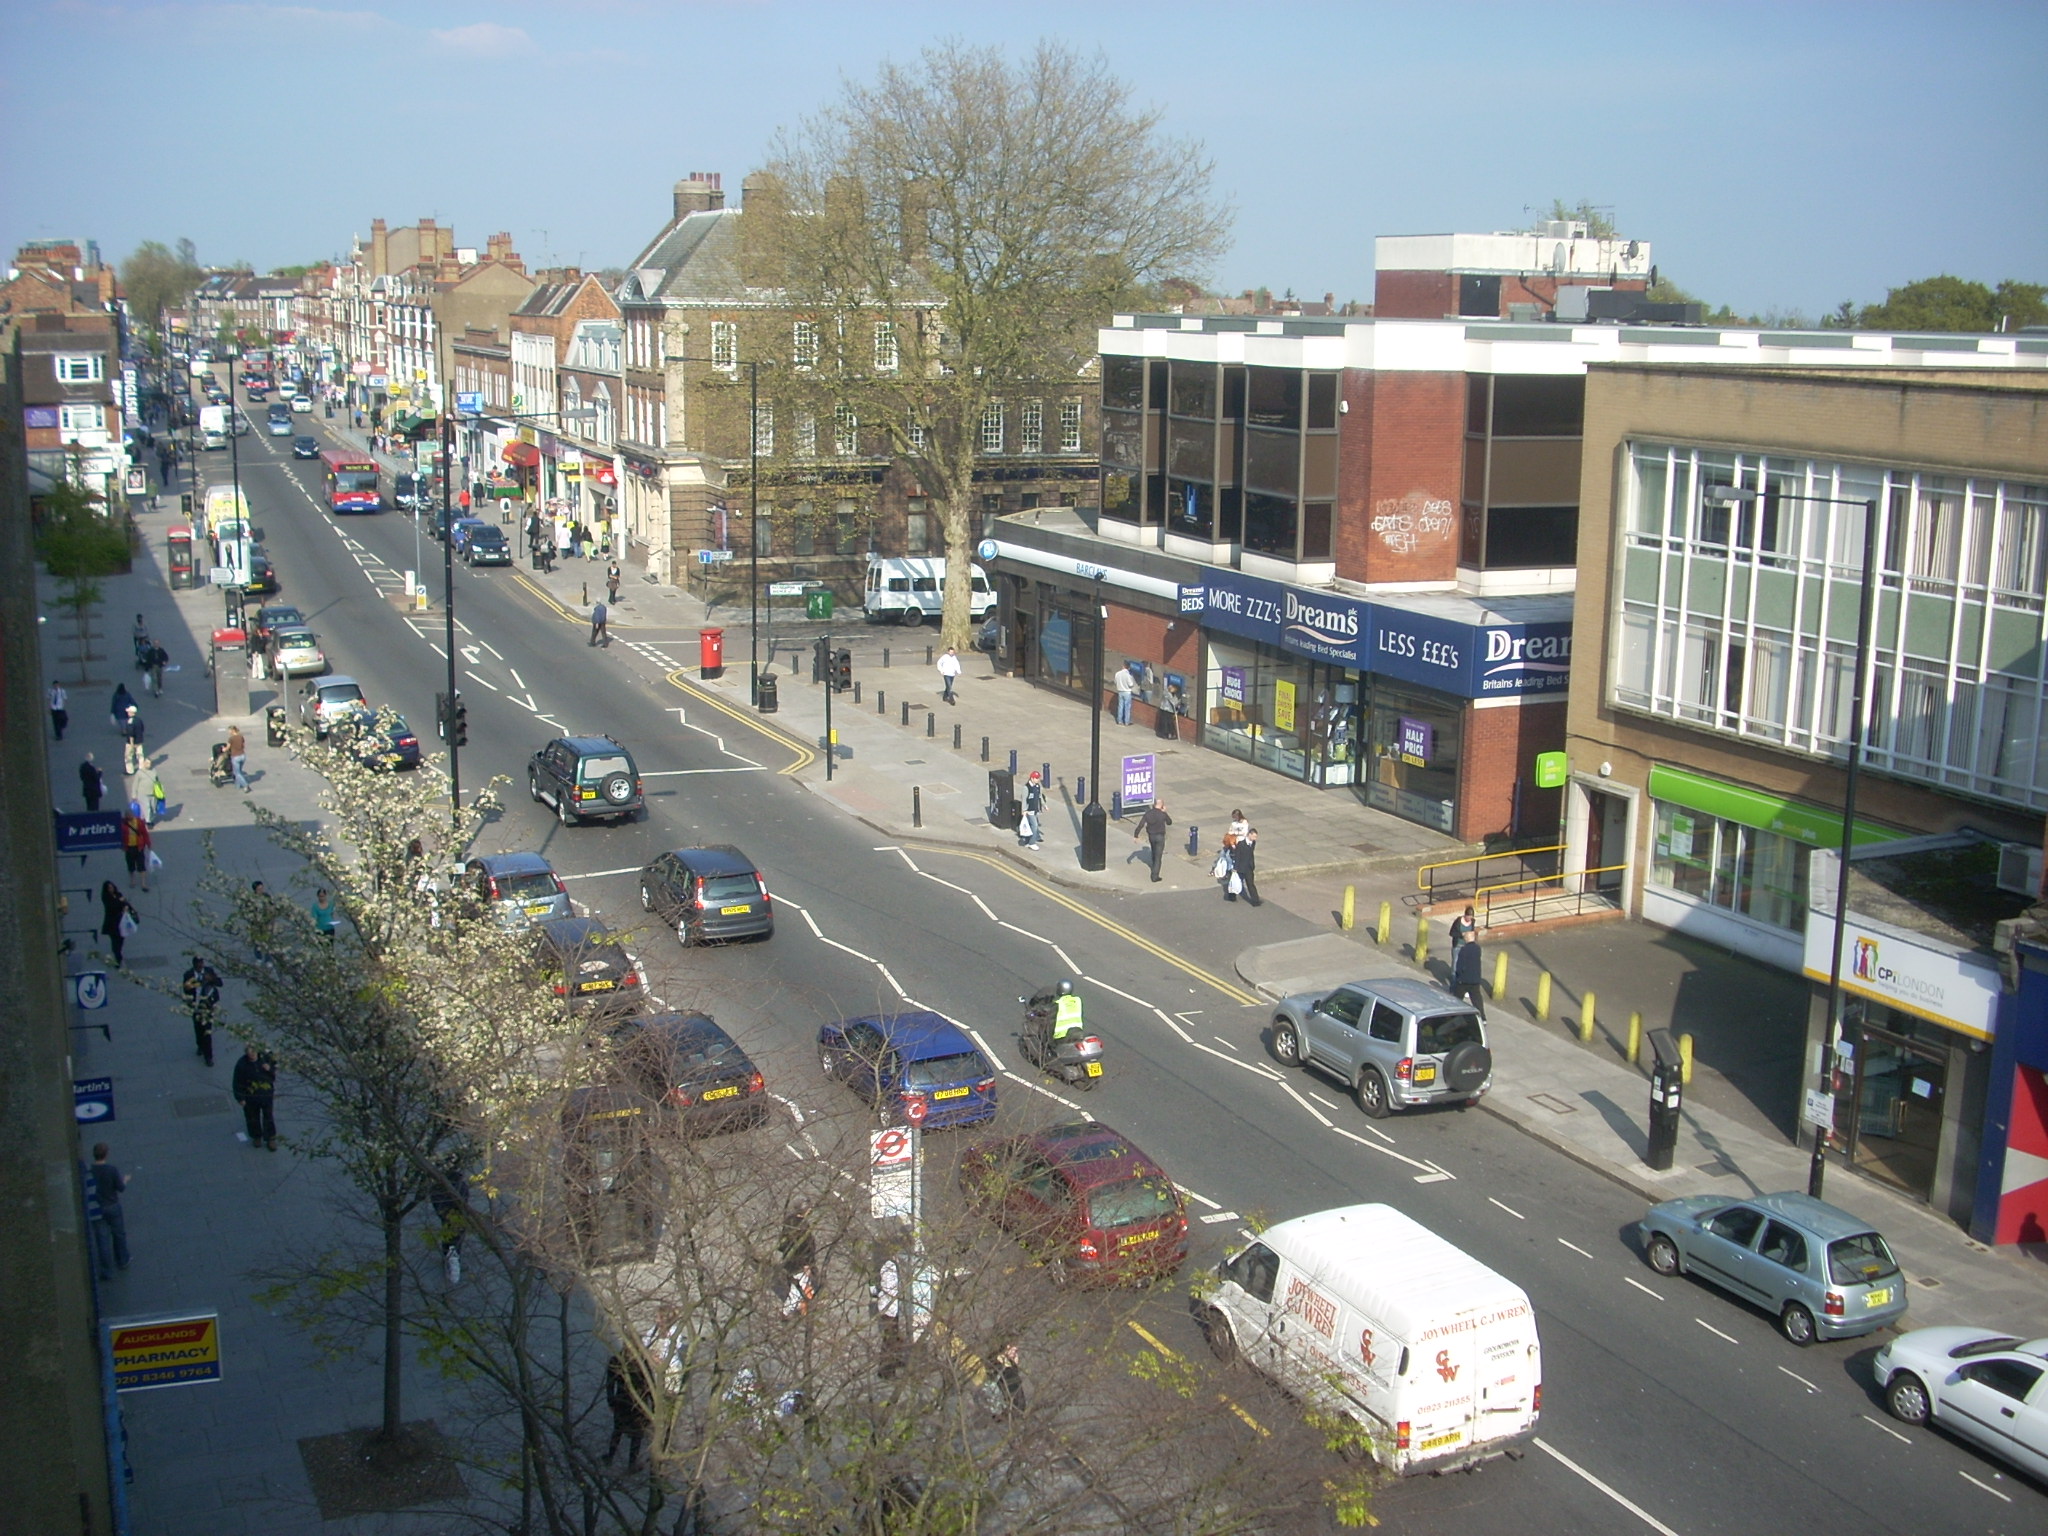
135,841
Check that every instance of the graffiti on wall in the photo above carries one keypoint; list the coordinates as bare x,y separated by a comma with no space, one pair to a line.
1408,523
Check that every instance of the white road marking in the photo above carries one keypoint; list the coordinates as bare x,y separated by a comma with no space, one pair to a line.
1068,961
1326,1103
1041,1088
1642,1287
1399,1157
1288,1088
494,651
469,655
478,677
684,773
1802,1381
1221,1041
1575,1248
1509,1209
599,874
515,673
1880,1423
1622,1499
1209,1221
1438,1177
1985,1486
1717,1333
1198,1198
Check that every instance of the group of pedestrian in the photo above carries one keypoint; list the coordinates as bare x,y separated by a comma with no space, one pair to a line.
1237,862
1468,969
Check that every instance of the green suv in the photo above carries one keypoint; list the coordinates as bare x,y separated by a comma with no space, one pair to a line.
585,778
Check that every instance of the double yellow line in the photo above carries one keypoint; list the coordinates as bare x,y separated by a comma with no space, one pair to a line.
803,755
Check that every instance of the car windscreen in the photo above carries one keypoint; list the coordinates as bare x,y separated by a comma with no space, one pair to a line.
591,770
1859,1260
938,1071
1130,1202
355,480
729,888
1439,1033
486,535
336,698
526,887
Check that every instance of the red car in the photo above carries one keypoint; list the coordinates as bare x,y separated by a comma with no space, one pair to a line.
1084,1199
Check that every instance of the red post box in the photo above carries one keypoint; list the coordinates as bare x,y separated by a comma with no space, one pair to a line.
711,652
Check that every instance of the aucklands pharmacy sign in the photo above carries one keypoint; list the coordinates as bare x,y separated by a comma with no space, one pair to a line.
164,1351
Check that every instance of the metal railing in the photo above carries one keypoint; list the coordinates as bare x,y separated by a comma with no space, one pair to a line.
1583,887
1432,885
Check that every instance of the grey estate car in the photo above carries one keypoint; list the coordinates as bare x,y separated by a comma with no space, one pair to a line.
1393,1040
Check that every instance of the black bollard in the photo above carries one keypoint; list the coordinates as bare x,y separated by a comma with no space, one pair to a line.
885,656
1194,840
1080,789
881,702
984,749
916,806
906,711
1013,762
856,693
927,655
931,723
956,738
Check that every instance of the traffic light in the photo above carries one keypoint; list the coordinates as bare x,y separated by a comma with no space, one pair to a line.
842,671
185,503
461,723
441,715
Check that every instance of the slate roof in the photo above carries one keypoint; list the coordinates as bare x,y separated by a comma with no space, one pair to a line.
693,261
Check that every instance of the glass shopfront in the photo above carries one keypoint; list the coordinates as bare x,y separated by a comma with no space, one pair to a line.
1277,709
1414,738
1890,1080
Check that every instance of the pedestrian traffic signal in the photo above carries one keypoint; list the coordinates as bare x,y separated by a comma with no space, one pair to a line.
841,671
460,734
185,503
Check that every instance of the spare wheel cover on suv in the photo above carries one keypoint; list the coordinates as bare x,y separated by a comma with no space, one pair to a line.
617,788
1467,1066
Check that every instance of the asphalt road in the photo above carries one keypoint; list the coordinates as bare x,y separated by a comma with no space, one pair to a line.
1667,1407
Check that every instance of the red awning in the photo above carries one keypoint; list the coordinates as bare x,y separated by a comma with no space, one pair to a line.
522,455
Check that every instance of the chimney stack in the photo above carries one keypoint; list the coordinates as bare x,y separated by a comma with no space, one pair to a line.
699,192
380,249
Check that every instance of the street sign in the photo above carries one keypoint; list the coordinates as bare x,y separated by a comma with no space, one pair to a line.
469,402
988,549
1552,769
221,576
89,989
713,556
164,1351
87,831
1140,779
92,1100
786,589
1820,1109
892,1174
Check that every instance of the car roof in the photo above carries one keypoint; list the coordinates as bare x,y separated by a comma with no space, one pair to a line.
675,1020
1406,992
1824,1221
579,933
916,1036
602,744
335,680
1087,1153
717,859
279,608
491,528
513,864
286,632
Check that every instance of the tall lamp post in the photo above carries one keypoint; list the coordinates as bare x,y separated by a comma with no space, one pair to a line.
1722,495
1095,820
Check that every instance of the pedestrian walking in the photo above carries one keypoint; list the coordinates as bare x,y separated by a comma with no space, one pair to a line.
1126,689
565,537
158,800
798,1249
1005,1386
133,753
1030,832
1152,827
255,1089
629,1393
135,841
238,757
1244,865
201,986
576,533
1468,972
159,658
123,701
117,918
60,713
598,614
949,673
448,1194
107,1183
889,1299
325,919
1464,928
142,640
91,782
611,583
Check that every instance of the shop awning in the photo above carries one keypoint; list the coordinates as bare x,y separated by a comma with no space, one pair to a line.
1815,825
522,455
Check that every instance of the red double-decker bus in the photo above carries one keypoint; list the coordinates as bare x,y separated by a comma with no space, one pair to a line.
351,481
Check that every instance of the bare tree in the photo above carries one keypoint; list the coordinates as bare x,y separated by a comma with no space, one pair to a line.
959,227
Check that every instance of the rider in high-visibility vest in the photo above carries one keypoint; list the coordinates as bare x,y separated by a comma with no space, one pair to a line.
1066,1018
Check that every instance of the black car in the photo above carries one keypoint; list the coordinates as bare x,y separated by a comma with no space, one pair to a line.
487,546
585,963
708,894
687,1063
304,447
405,491
379,740
585,777
262,574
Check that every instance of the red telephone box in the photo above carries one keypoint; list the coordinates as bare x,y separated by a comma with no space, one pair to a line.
711,652
183,573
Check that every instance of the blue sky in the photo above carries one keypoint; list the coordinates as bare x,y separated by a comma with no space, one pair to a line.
1779,157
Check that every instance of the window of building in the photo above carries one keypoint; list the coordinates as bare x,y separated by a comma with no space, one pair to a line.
885,346
845,431
1070,425
1123,383
920,435
992,427
764,530
806,435
79,418
803,344
917,528
1031,427
725,345
79,367
764,428
847,521
1744,869
803,530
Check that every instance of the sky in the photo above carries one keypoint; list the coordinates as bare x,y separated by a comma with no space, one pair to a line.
1780,158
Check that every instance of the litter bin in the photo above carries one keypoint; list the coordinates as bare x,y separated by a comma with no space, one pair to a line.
1004,809
818,602
1667,1100
765,696
711,653
274,724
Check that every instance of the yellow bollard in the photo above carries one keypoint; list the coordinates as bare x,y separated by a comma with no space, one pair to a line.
1543,995
1421,938
1386,927
1635,1038
1586,1020
1500,974
1350,908
1685,1059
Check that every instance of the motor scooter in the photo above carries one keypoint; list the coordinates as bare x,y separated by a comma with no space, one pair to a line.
1076,1062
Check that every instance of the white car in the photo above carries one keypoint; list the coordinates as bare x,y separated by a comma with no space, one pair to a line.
1988,1388
302,404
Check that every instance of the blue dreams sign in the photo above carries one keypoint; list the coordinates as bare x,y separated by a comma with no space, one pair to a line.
1470,661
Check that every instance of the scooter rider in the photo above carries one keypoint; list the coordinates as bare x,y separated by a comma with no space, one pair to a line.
1058,1013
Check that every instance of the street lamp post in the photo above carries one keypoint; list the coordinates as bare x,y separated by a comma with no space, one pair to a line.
1095,820
1852,773
754,532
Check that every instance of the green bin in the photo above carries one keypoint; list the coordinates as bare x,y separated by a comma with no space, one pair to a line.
818,603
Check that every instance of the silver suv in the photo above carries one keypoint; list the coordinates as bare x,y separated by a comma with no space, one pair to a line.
1395,1041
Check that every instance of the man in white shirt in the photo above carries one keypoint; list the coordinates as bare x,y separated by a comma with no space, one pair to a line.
1126,686
949,670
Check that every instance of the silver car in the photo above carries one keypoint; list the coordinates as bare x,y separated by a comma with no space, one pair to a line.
519,889
1989,1388
326,698
1821,1272
1395,1041
296,653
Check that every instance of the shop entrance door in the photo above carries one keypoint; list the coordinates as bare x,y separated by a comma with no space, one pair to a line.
1891,1104
1606,840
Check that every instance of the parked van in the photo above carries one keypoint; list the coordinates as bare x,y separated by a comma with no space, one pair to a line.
905,591
213,426
1365,1312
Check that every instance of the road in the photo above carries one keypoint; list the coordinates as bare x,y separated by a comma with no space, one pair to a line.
1667,1407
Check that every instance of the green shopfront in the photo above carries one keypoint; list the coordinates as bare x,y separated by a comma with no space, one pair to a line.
1728,863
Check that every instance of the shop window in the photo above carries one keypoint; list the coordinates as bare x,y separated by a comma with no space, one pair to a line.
917,529
1123,383
1742,869
1193,508
1322,402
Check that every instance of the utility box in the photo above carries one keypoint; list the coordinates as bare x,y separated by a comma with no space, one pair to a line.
1004,809
818,603
1667,1100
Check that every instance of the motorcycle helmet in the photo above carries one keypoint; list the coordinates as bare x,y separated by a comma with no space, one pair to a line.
1065,988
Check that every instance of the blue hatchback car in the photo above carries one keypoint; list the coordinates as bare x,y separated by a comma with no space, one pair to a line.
915,1068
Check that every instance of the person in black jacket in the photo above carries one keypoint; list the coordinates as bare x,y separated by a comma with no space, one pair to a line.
1468,975
113,908
202,996
1244,858
629,1393
255,1089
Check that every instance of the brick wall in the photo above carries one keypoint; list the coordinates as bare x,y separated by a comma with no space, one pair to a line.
1500,747
1401,476
1414,295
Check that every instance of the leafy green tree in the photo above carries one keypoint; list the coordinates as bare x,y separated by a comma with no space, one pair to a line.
156,278
986,215
78,542
1949,303
1599,222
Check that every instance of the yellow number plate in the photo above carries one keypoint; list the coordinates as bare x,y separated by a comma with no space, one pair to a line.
745,906
1095,1069
597,986
1133,1239
950,1093
535,908
1425,1075
1877,1298
721,1093
1437,1442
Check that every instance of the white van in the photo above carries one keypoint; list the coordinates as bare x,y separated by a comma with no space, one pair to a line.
906,590
213,426
1365,1312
